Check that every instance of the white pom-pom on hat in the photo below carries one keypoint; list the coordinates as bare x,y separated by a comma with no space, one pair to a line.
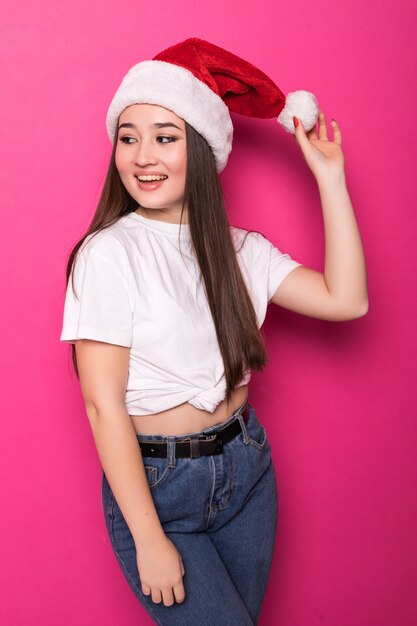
304,106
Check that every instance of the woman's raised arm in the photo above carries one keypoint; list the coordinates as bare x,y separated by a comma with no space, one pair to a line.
341,292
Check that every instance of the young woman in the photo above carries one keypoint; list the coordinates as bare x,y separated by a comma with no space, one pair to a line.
164,307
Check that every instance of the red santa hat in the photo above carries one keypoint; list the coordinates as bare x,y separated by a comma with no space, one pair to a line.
201,83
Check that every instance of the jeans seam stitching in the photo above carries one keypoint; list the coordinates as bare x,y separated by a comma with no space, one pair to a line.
163,478
256,444
210,508
225,504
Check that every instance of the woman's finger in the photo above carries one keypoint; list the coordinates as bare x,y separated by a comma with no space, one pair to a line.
300,134
322,126
312,134
146,590
156,595
168,597
179,592
336,133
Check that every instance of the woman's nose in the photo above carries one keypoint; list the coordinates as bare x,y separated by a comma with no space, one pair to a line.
145,153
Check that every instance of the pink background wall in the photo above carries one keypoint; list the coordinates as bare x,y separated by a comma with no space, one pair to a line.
338,399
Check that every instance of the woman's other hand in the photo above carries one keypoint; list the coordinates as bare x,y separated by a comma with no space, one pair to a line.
161,570
324,157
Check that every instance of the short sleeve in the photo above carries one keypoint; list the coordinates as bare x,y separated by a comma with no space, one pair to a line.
280,265
103,308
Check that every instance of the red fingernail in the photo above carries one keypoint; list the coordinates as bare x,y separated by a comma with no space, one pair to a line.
295,120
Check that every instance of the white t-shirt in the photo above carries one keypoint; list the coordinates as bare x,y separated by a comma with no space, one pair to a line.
138,288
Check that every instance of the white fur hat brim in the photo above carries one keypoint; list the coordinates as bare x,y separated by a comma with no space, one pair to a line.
176,89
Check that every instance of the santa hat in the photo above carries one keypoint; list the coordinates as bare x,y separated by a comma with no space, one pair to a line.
201,83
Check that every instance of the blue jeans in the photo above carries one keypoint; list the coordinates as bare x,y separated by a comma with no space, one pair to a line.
220,511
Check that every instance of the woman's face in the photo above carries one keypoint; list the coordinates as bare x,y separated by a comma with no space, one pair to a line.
151,141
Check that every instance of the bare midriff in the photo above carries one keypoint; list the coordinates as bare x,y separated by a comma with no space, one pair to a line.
185,418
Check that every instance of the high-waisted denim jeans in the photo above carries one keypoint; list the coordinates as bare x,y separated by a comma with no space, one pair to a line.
220,511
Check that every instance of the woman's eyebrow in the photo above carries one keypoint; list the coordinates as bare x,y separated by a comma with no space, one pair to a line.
156,125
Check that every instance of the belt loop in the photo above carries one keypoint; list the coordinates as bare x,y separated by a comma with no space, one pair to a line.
194,447
243,426
170,439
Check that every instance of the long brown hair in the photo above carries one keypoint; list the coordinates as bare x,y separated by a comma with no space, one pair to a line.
240,340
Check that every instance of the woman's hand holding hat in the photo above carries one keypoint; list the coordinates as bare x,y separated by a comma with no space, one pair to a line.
324,157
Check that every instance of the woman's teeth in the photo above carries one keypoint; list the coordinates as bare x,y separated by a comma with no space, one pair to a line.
145,179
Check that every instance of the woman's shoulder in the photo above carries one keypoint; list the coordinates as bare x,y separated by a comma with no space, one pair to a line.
249,242
109,242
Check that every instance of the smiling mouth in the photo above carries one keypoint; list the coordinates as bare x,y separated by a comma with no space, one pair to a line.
150,185
150,178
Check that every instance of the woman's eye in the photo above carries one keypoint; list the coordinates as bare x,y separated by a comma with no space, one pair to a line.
170,139
125,139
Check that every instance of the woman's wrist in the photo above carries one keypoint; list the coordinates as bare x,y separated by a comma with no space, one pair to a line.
336,179
153,535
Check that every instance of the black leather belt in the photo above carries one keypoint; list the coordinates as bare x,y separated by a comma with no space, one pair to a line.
200,445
